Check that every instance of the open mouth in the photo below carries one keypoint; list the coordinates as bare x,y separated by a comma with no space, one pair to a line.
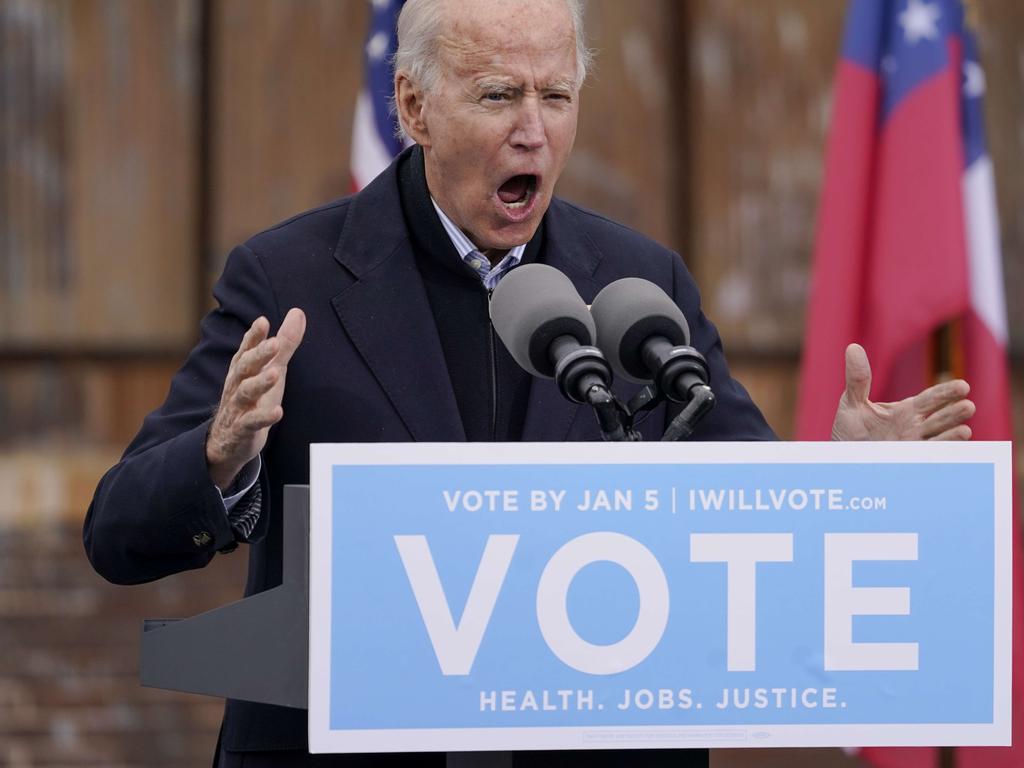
518,191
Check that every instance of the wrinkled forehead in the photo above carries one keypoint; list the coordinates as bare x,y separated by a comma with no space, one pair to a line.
483,36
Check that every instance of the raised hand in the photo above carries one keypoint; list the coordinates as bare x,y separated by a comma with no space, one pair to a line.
937,413
251,401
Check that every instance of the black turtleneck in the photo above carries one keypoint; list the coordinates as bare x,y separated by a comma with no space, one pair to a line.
490,388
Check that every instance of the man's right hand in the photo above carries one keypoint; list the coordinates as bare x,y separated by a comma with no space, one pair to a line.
251,401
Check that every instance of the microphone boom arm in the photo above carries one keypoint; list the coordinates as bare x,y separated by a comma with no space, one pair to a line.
581,373
682,426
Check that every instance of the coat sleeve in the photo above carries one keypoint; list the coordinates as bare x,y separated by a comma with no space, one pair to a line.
735,416
157,512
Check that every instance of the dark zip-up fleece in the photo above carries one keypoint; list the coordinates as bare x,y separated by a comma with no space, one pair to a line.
490,388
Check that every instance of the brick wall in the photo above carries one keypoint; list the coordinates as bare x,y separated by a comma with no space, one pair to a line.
69,641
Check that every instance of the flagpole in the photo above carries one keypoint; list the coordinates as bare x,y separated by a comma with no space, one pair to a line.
946,358
946,361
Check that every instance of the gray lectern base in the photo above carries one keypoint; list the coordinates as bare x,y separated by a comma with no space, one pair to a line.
216,652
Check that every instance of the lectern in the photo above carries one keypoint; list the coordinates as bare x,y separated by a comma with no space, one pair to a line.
641,596
215,653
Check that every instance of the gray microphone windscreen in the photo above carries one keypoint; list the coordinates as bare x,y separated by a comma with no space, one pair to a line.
532,306
628,312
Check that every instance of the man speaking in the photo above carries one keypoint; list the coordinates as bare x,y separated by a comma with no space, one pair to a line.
366,320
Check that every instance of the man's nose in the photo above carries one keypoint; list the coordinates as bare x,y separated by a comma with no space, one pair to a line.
529,131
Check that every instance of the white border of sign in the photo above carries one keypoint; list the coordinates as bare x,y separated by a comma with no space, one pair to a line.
324,456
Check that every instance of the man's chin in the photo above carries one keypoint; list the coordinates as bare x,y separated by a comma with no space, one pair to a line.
506,235
509,237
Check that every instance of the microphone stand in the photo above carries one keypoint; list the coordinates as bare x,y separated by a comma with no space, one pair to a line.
682,376
702,400
582,374
616,426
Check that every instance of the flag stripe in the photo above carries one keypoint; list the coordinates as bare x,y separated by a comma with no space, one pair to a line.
370,155
988,299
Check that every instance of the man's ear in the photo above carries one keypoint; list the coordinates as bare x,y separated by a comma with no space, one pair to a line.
409,104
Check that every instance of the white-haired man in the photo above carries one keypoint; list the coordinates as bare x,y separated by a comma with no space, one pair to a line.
388,336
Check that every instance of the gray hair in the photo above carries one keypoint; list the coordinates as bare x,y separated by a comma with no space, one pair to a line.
420,26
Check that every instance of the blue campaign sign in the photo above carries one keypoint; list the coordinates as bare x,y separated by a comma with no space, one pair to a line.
605,596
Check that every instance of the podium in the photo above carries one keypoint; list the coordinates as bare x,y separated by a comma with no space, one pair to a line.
216,652
599,596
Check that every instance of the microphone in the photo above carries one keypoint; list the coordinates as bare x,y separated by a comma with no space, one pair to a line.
546,327
646,338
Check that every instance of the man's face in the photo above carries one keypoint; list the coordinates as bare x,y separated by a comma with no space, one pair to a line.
499,124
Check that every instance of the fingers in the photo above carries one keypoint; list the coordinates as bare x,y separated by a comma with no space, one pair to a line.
293,328
254,387
257,332
256,350
947,418
940,395
249,363
961,432
252,362
858,374
260,362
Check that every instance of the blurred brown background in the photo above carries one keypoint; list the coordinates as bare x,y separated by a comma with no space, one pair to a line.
141,139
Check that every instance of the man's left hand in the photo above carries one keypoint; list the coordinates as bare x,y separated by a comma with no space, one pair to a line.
937,413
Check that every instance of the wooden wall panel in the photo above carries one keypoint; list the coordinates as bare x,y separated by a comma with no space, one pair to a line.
1000,25
285,79
627,143
760,84
99,150
35,258
772,384
79,402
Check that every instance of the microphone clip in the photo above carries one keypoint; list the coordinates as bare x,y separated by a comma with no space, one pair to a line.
582,373
681,376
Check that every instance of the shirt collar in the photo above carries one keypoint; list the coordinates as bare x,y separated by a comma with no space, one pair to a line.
472,256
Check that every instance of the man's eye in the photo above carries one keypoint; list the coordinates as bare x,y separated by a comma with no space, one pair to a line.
496,96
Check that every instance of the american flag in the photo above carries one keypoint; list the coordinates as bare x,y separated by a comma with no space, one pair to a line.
908,243
374,131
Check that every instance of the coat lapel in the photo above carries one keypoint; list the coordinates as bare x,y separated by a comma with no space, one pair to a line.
549,416
387,315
